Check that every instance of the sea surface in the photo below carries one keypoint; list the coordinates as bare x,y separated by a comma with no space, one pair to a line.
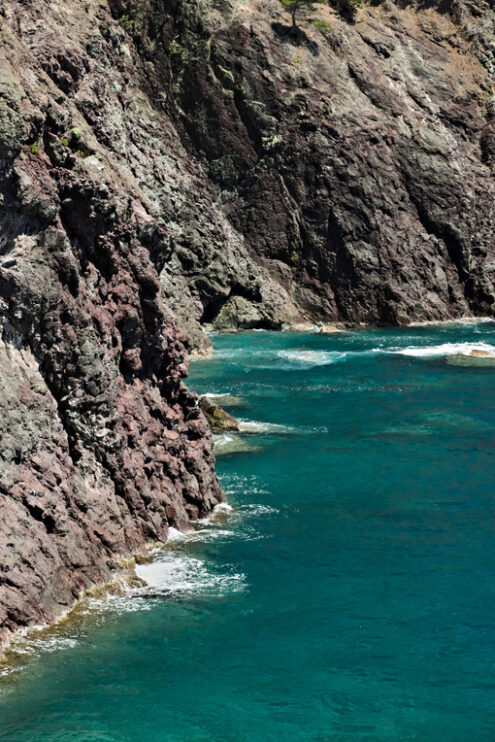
349,594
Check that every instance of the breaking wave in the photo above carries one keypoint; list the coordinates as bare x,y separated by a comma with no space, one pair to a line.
182,575
463,321
280,359
308,358
445,350
252,426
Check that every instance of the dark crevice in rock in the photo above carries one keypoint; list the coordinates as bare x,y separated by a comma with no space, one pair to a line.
38,514
445,231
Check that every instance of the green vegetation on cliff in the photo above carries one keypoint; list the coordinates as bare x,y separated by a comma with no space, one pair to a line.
297,7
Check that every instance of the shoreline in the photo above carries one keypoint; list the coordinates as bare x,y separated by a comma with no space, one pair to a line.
330,328
124,581
125,577
335,328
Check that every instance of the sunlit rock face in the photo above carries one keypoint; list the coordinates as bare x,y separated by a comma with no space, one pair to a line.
355,159
102,446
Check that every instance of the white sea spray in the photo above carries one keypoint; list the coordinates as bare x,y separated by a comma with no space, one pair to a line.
444,350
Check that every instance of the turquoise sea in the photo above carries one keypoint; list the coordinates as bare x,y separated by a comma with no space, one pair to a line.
348,596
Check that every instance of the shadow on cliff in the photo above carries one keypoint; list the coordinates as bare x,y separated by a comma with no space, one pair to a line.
441,6
297,36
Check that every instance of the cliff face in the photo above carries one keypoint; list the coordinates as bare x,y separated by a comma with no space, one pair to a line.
182,163
102,447
355,159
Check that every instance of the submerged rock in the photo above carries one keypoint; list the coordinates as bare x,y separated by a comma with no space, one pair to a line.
233,445
476,357
218,420
226,400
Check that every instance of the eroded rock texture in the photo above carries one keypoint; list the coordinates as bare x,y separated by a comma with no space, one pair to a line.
102,446
357,162
190,162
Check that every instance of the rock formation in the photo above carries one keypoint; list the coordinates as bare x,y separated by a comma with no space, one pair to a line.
218,420
195,163
356,160
102,447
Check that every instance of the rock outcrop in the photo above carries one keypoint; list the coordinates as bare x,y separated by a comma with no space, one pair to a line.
218,420
195,163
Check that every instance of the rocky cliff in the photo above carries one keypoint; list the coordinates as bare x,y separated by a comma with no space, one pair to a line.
176,163
102,446
354,160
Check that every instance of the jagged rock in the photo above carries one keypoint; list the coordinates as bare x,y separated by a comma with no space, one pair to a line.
356,163
218,420
102,447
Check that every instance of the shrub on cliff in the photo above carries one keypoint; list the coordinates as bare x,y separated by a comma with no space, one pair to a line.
295,7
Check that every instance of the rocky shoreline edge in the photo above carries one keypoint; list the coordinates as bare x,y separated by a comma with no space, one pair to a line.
154,184
122,572
124,581
123,577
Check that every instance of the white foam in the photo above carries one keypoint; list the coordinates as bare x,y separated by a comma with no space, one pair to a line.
223,439
231,444
50,644
444,350
225,399
310,328
280,358
241,353
222,508
310,358
252,426
207,535
175,535
186,575
256,510
307,327
171,573
459,321
220,513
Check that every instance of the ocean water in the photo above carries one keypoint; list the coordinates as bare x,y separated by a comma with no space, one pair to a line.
348,596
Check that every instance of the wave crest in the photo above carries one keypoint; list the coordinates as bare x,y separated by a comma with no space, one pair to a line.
174,574
448,349
309,358
253,426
